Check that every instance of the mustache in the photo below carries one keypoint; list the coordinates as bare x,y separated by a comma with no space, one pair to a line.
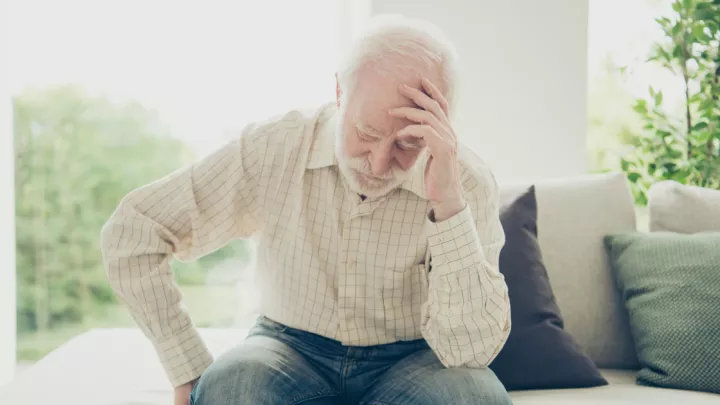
363,165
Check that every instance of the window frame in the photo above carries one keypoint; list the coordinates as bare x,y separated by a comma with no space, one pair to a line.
8,304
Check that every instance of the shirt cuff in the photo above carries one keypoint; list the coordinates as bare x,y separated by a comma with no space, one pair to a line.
184,357
452,240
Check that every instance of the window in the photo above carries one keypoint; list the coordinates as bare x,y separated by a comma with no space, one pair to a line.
109,96
621,35
653,90
7,216
655,70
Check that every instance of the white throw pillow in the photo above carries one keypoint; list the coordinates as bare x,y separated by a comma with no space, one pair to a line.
676,207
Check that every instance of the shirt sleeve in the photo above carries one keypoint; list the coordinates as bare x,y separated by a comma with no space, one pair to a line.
189,213
466,318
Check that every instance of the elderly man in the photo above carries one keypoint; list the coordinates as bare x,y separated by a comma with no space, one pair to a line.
378,239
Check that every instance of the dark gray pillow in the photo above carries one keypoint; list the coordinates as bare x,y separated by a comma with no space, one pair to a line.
539,353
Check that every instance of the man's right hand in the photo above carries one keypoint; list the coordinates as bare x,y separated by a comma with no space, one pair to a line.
182,393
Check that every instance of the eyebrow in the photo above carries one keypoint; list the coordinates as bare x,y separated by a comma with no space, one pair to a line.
409,143
369,130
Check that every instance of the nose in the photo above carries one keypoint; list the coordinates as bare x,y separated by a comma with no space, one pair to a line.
380,160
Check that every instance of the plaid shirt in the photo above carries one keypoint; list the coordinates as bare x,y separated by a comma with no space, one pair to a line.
363,272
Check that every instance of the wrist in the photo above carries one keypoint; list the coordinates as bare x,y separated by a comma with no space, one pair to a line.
189,384
446,209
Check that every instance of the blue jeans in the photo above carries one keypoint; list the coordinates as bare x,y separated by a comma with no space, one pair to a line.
281,365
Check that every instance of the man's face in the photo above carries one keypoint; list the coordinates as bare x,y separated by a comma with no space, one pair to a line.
371,157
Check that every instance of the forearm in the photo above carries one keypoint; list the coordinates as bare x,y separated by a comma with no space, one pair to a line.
187,214
467,315
137,251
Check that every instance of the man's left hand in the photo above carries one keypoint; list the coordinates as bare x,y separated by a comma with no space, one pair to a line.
442,174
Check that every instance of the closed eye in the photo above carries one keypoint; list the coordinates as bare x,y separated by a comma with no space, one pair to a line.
365,137
408,146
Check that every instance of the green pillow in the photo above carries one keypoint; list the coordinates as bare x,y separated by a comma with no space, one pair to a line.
670,284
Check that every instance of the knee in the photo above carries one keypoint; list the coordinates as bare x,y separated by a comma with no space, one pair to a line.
470,386
234,380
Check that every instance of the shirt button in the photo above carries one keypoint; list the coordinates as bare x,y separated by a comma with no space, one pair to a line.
438,240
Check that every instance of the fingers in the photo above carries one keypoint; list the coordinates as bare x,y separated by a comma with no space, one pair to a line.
419,131
434,107
435,93
439,146
423,101
419,116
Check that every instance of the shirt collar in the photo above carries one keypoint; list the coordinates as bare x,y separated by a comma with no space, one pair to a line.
322,152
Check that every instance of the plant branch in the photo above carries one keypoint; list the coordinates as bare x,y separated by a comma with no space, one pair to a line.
688,116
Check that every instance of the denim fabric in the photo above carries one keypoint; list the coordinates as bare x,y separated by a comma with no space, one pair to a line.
281,365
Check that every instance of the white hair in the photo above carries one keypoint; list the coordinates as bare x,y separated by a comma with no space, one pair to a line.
392,44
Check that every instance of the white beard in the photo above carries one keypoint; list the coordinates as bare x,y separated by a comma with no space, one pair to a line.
358,175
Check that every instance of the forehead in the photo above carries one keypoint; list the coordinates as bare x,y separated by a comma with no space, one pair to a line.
375,94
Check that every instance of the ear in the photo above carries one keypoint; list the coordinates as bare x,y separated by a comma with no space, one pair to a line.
338,92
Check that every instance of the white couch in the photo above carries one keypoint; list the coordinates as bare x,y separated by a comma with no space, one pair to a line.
118,366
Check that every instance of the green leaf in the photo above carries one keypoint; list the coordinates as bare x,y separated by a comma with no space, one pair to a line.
706,14
663,134
680,177
699,126
641,106
707,104
708,114
712,26
676,29
664,23
675,154
633,177
677,52
658,98
669,167
703,137
696,97
698,31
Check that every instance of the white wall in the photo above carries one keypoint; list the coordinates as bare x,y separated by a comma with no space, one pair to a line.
7,216
523,101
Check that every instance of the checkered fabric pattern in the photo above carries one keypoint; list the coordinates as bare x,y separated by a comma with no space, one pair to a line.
361,271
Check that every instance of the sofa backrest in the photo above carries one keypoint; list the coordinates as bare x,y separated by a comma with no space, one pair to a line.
681,208
574,214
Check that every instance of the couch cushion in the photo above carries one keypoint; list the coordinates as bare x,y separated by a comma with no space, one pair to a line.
676,207
671,285
120,367
574,214
622,391
539,354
